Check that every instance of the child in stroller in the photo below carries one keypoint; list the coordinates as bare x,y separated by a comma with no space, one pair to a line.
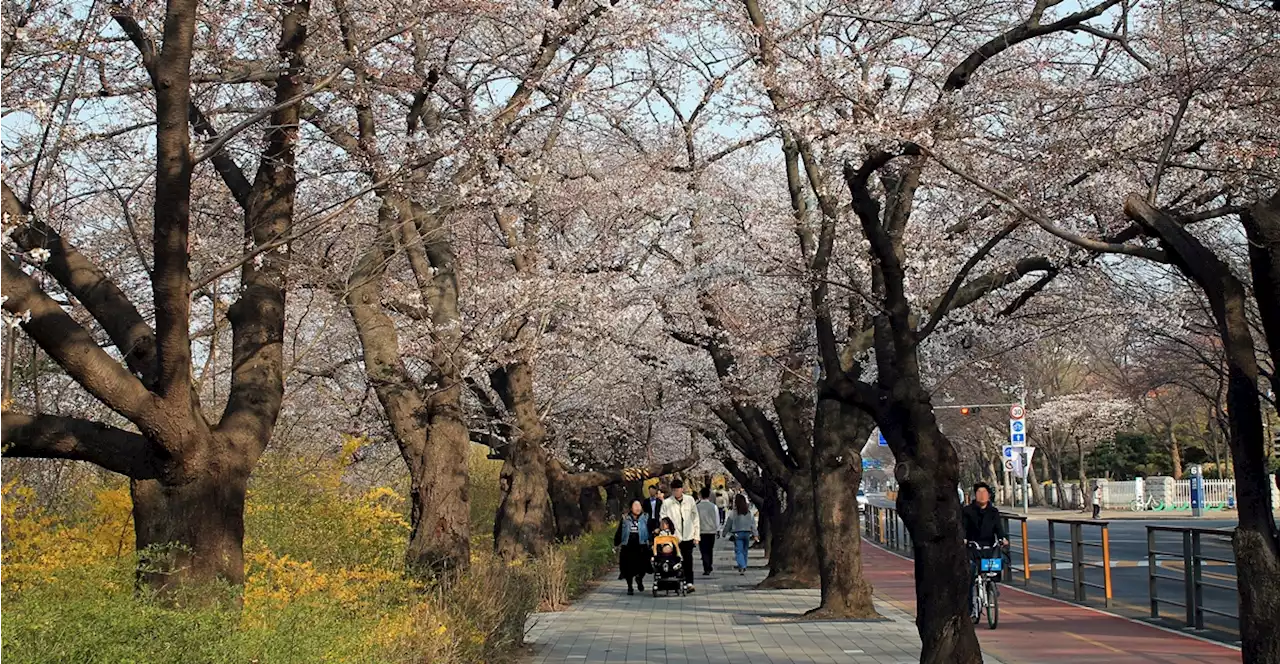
668,566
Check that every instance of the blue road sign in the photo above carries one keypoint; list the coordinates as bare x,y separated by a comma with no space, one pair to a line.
1017,426
1017,438
883,442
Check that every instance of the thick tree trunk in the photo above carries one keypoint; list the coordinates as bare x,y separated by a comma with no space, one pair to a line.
618,501
927,473
523,525
767,527
1256,541
1175,453
793,558
837,472
431,435
592,506
191,534
440,501
1060,485
566,506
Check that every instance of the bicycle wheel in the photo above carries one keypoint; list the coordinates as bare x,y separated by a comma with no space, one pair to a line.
993,604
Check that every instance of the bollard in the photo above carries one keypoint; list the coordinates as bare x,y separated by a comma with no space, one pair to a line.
1026,556
1106,562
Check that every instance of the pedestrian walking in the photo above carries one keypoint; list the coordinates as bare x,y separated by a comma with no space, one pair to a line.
709,526
653,508
1097,499
741,526
683,512
632,542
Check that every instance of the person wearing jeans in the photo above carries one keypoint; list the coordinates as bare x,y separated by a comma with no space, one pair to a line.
709,522
741,526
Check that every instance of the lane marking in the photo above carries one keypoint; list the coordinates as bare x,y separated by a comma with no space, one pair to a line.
1093,642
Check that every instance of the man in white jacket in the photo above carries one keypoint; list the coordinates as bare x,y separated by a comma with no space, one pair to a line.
683,512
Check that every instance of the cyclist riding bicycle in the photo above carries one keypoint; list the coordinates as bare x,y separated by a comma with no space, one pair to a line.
983,527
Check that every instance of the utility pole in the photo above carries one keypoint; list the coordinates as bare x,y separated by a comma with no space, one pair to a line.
1026,469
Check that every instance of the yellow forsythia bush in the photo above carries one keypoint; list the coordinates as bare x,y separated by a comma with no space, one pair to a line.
324,582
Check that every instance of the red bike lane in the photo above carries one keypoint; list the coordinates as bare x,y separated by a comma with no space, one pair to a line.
1038,630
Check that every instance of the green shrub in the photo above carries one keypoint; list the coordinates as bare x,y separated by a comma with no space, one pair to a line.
68,593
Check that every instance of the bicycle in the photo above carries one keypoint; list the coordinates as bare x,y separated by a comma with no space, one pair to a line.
986,593
1143,505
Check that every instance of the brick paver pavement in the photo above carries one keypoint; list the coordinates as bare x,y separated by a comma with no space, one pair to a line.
725,621
1039,630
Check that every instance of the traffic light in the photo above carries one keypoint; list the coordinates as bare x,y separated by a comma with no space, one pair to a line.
970,410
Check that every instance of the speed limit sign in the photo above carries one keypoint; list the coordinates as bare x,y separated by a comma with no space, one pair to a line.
1016,412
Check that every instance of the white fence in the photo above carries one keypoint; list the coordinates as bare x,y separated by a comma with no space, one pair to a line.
1150,493
1121,494
1166,493
1217,493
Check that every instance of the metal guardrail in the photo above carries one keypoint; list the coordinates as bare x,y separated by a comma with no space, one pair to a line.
1019,548
1075,543
883,526
1078,562
1193,582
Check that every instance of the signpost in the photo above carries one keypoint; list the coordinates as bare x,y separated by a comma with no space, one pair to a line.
1197,491
1017,459
1018,439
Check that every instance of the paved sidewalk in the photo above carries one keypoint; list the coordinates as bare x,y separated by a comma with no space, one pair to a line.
1039,630
725,621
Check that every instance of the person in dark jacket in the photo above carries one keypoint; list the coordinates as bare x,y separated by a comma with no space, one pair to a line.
653,507
983,527
982,523
632,542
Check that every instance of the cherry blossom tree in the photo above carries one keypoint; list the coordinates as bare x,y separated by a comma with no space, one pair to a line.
189,472
1187,88
1077,423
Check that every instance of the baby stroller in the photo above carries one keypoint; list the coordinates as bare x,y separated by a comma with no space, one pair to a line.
668,566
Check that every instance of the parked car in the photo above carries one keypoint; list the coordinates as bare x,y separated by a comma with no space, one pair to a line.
862,500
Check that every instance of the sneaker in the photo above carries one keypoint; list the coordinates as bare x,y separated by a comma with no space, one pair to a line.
742,571
688,588
640,585
632,592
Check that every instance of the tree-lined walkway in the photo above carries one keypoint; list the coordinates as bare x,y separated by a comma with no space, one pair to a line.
725,621
1038,630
